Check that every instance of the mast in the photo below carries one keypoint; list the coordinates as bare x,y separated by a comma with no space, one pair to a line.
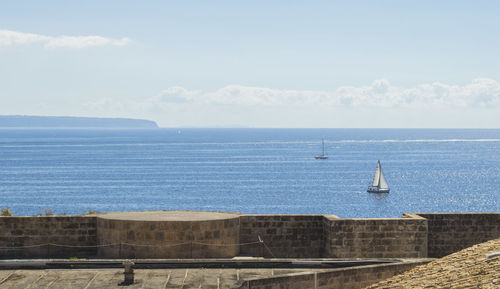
376,177
322,156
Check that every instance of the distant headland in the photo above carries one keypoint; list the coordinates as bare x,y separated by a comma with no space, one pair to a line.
28,121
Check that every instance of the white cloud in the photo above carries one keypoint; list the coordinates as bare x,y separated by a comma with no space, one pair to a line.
475,104
13,38
84,41
477,93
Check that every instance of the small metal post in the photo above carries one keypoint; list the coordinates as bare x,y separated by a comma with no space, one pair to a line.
128,272
261,246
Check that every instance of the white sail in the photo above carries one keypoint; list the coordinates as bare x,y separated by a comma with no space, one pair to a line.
376,177
379,182
382,182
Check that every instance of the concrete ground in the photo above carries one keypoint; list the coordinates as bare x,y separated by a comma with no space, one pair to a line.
151,278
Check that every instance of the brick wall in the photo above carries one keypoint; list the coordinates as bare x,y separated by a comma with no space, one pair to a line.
29,232
375,238
287,236
449,233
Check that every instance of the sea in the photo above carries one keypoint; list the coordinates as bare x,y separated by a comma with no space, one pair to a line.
252,171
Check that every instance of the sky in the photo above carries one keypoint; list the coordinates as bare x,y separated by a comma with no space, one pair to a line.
404,64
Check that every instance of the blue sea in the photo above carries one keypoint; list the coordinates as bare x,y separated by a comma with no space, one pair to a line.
249,170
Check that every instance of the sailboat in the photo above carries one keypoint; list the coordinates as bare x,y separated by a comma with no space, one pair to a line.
379,183
322,156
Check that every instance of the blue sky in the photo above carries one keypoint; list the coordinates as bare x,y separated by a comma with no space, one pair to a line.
255,63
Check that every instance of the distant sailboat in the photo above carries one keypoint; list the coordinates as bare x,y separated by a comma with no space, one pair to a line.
379,183
322,156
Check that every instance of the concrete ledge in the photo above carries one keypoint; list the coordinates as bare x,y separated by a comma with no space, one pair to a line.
191,263
344,278
168,216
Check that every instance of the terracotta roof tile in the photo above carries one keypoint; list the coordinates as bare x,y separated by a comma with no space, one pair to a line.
469,268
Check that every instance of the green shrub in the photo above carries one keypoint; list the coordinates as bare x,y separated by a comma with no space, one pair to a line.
6,212
48,212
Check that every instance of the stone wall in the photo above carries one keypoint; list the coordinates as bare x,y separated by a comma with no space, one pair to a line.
449,233
327,236
375,238
37,235
344,278
168,239
287,236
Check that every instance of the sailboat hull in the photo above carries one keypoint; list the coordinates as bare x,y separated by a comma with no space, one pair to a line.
321,157
377,190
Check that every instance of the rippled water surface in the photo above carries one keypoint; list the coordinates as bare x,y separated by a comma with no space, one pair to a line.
249,170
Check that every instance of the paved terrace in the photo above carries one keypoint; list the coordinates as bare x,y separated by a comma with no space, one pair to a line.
111,278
